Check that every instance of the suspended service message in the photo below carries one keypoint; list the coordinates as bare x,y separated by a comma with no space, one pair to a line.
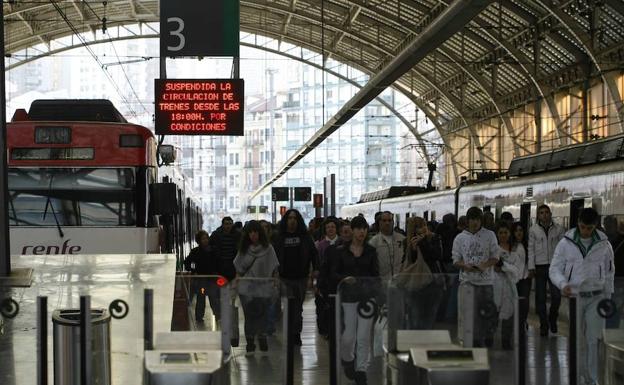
199,106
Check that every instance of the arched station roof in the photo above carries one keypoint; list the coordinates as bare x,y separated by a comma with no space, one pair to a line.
510,54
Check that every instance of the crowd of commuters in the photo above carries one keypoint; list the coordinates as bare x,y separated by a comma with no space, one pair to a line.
454,267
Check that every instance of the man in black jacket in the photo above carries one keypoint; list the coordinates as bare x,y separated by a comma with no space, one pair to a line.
296,252
200,261
224,244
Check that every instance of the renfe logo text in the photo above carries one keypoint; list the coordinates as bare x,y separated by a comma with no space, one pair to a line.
51,249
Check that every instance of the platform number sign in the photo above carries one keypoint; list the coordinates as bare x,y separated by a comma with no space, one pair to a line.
303,194
279,194
199,28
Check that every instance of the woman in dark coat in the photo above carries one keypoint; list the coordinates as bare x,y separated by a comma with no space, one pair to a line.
354,271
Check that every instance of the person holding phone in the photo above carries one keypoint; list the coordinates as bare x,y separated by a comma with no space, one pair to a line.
475,253
422,305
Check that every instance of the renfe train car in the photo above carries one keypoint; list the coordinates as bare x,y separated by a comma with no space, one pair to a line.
82,180
566,179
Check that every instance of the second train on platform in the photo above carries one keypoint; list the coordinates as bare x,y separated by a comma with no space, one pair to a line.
566,179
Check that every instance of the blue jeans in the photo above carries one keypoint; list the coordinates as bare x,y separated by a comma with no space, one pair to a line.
255,311
451,294
476,299
297,288
524,290
541,280
422,307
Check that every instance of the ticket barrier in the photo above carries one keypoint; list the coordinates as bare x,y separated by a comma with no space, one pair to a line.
189,358
428,357
613,357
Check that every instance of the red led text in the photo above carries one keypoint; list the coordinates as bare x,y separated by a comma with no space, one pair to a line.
199,106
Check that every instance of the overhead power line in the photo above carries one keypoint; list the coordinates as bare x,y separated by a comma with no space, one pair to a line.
94,56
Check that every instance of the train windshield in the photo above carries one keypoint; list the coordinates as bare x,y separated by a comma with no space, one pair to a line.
72,196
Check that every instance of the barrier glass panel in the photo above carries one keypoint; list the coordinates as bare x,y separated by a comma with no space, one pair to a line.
198,302
433,322
258,330
17,348
360,324
115,285
599,344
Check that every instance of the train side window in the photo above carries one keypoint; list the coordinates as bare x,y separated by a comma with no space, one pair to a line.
576,206
433,215
426,215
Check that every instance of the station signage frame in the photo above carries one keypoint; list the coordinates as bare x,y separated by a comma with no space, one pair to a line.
199,106
199,28
280,194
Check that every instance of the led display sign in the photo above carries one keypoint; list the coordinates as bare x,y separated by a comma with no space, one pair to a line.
279,194
199,106
303,194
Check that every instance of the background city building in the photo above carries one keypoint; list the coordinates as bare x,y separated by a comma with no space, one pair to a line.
287,101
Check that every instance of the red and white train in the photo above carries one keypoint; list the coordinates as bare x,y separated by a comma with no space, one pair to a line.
82,180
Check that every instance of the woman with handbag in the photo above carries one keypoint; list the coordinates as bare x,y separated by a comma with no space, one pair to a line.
421,276
256,263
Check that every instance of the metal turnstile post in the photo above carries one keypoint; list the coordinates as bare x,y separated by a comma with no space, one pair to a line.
333,368
42,340
572,340
85,340
521,342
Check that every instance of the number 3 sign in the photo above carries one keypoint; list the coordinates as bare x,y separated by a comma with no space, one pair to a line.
199,28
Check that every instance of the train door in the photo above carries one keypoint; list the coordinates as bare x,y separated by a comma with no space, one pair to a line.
525,216
576,205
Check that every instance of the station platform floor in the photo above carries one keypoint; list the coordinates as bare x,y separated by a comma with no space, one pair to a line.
63,279
547,357
105,278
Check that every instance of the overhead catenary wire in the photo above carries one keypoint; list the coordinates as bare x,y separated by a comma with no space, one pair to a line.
112,44
123,70
94,56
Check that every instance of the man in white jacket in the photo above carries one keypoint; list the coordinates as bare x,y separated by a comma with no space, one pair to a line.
543,238
475,252
389,245
582,266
